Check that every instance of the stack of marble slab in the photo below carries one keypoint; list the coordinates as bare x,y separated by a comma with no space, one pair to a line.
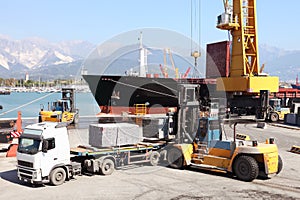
106,135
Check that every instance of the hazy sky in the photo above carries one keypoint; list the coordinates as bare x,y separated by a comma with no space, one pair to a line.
99,20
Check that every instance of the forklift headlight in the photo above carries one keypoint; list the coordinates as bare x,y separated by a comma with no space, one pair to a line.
254,143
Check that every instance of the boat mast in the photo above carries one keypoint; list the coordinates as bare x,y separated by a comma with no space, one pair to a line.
143,57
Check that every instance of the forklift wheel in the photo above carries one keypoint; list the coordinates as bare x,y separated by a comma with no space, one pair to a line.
154,158
246,168
175,158
76,119
280,165
274,117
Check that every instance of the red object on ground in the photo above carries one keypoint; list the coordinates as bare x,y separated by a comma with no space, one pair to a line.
12,150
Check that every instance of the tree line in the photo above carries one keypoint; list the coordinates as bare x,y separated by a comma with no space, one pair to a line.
12,82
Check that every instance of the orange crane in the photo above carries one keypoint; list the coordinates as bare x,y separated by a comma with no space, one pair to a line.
165,70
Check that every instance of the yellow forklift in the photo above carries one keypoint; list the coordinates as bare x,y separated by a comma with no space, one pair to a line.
200,143
62,110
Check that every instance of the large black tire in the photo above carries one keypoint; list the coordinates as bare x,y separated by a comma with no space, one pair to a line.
274,117
107,167
280,165
154,158
57,176
246,168
175,158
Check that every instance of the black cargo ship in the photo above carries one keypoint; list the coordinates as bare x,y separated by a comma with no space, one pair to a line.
117,94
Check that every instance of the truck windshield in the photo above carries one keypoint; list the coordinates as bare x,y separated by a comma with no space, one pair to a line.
29,145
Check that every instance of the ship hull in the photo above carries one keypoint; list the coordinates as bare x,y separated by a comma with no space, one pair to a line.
117,94
295,86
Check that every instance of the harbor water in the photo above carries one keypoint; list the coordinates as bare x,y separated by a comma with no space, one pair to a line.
29,103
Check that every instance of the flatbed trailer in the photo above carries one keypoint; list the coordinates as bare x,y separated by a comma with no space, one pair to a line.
144,152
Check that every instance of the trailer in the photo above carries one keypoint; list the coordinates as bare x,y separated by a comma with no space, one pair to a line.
105,160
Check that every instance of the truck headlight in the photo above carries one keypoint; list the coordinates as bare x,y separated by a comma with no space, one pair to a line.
34,175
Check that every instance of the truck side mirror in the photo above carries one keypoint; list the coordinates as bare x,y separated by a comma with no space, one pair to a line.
45,146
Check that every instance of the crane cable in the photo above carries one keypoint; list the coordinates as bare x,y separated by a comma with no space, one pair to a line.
26,104
145,89
195,32
195,25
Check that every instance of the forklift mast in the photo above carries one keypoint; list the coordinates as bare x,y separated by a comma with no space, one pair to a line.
68,94
264,104
191,120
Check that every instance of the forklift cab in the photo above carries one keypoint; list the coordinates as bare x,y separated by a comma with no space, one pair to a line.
61,105
209,135
275,104
209,130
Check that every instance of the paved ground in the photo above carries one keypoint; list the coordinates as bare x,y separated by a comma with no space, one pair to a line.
148,182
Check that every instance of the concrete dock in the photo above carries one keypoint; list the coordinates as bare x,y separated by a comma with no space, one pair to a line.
161,182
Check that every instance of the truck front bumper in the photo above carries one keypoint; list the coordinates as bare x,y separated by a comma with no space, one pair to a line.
29,175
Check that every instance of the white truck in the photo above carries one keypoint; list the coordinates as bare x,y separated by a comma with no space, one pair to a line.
44,155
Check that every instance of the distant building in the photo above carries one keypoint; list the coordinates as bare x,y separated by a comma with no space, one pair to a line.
26,77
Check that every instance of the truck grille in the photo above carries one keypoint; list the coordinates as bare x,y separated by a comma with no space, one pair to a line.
25,164
24,173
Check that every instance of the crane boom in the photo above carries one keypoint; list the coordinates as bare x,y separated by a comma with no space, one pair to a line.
241,20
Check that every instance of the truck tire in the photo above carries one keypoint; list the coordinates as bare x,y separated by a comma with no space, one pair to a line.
246,168
274,117
175,158
280,165
154,158
107,167
57,176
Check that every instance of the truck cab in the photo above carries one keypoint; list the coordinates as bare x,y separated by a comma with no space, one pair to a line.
43,147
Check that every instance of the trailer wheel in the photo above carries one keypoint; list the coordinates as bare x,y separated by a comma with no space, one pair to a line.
280,165
274,117
246,168
175,158
154,158
107,167
57,176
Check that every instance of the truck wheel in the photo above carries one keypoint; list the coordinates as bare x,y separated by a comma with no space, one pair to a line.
246,168
175,158
154,158
274,117
107,167
57,176
280,165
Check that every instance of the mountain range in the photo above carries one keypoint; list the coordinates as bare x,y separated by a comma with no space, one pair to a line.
46,60
41,58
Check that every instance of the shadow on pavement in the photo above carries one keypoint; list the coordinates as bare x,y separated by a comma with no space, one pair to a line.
12,177
212,172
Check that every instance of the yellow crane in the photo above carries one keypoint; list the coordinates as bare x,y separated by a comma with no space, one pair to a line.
240,20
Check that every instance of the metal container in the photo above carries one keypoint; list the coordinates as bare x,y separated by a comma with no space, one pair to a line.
218,59
290,119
